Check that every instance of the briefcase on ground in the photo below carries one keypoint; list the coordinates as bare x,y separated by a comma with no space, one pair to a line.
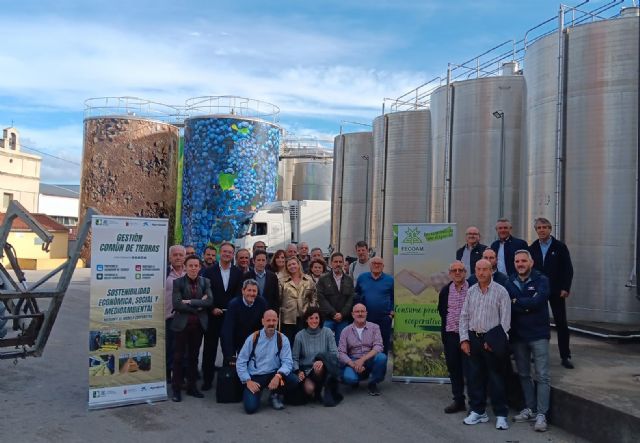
228,386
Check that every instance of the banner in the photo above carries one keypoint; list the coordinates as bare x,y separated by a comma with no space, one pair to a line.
422,254
126,323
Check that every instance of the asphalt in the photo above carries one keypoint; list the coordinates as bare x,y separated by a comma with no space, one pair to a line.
45,399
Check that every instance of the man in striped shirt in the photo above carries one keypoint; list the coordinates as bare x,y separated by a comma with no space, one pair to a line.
486,306
450,304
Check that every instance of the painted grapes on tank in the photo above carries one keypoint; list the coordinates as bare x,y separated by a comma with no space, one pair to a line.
230,169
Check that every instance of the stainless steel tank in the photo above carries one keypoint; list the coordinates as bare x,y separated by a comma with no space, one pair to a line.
312,179
304,151
404,138
439,166
351,203
485,153
600,136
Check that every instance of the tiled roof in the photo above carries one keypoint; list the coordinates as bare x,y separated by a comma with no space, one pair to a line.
47,222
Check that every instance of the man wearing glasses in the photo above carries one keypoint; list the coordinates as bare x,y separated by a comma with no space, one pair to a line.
472,251
449,306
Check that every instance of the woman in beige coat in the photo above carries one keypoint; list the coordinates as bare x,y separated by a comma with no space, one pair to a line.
297,293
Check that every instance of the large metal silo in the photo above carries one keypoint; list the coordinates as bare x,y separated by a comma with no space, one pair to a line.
129,160
230,166
351,202
485,153
312,179
598,192
404,182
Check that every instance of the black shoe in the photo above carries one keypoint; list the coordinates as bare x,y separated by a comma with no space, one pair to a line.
455,407
567,363
177,395
373,389
206,386
195,393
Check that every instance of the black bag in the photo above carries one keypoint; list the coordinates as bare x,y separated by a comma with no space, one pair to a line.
228,386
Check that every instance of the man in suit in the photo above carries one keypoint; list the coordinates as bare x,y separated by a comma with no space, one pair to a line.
551,257
268,287
226,281
335,295
472,251
191,298
506,246
497,276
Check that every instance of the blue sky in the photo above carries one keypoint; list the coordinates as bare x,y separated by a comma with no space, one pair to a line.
321,62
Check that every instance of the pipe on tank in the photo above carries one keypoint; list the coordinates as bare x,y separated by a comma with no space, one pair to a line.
637,250
560,111
384,183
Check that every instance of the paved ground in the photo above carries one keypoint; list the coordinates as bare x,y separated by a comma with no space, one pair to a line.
45,399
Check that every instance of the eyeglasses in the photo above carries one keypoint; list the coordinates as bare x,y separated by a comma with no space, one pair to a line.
472,233
457,270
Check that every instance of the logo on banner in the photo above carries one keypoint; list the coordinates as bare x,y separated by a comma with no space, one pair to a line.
411,242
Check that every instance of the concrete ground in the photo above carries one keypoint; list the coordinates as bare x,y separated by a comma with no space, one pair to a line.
45,399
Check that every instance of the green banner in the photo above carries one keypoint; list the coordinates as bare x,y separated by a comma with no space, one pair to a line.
422,254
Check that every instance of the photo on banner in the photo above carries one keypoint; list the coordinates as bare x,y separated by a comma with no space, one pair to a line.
126,324
422,254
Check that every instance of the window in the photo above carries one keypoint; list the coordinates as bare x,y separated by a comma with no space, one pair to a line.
259,229
6,199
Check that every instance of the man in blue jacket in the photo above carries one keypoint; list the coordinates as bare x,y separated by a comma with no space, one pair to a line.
506,246
551,257
530,333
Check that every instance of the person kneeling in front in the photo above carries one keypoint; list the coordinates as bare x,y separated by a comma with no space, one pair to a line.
264,362
360,351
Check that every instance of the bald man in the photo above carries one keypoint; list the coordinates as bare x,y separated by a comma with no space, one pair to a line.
375,290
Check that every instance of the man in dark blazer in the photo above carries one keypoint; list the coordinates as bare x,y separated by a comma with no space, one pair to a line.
506,246
551,257
226,283
335,291
191,299
472,251
268,287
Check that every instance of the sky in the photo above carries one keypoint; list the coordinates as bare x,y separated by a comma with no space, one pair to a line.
325,64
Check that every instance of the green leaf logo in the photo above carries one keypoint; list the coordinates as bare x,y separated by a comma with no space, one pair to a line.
226,181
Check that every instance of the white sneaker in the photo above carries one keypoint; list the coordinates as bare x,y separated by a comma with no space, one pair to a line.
474,418
541,423
524,415
502,423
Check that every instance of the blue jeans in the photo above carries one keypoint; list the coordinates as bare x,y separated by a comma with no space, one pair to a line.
522,350
251,401
336,327
375,367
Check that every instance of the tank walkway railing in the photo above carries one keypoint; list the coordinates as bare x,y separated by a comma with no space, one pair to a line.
231,105
132,107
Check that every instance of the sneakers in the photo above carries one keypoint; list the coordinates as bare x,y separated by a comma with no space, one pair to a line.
524,415
373,389
501,423
474,418
276,402
541,423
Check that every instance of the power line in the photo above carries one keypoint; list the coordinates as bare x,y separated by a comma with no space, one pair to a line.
49,155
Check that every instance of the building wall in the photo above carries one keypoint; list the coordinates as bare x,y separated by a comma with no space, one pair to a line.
29,246
19,173
55,206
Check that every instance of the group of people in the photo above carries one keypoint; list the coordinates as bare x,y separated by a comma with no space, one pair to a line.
294,325
503,307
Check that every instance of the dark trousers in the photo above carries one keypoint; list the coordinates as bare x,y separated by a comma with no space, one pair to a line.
187,342
384,321
457,365
290,332
210,349
559,310
169,339
485,368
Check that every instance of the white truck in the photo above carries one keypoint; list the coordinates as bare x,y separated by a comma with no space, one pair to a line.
290,221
